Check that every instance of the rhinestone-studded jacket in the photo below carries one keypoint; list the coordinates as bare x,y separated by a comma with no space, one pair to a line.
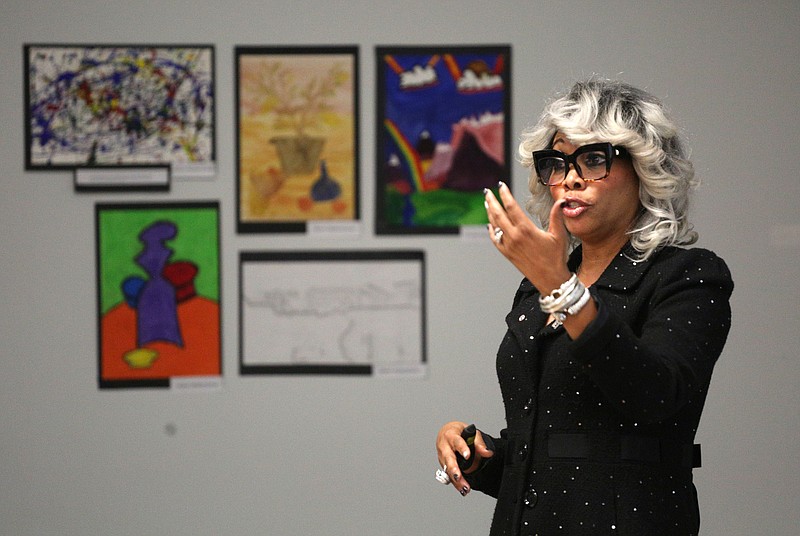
598,428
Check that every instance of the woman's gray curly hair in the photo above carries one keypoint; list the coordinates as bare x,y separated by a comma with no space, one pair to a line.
605,110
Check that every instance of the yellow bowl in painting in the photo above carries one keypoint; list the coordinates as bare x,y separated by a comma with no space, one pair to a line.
140,358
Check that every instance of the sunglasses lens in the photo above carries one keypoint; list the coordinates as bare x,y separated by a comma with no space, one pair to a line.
594,165
551,169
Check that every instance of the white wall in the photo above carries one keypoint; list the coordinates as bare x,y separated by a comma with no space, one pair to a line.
355,456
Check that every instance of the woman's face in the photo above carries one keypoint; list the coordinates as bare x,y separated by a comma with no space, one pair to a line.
602,211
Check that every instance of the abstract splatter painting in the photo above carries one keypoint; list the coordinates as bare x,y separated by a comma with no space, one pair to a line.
118,105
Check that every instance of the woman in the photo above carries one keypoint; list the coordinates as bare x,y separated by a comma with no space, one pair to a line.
613,333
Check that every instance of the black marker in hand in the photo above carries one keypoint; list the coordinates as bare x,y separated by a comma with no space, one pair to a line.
468,435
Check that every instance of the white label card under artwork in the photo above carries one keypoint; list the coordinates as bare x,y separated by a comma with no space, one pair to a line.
334,229
196,383
122,178
400,370
194,170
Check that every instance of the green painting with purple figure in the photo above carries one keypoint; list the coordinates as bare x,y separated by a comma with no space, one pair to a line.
158,292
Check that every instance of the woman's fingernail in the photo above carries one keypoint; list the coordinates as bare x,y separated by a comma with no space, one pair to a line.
501,184
485,191
464,491
466,452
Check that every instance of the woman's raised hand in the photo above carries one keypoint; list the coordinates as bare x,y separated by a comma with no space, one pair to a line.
540,255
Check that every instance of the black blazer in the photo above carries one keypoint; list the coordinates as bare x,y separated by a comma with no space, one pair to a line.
600,430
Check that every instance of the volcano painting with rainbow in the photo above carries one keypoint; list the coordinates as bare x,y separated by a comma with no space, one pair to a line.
442,134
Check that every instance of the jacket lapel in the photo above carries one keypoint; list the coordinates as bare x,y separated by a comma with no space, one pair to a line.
623,274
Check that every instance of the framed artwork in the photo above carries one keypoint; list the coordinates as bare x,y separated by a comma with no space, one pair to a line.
158,293
442,132
296,136
332,312
119,105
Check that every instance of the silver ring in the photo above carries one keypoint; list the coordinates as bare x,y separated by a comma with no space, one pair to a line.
442,477
498,235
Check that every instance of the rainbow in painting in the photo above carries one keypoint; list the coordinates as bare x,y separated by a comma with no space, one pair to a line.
410,156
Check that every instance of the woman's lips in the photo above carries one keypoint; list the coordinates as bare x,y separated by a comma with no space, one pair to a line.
573,208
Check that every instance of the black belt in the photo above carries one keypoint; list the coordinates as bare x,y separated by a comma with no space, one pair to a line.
612,448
